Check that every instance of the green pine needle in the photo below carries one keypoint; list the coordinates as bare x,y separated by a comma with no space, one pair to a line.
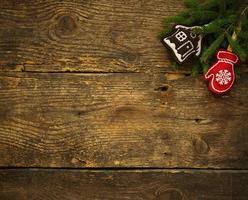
191,3
212,48
164,32
195,67
237,48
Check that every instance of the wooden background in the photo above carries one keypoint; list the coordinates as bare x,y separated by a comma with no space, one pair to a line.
91,107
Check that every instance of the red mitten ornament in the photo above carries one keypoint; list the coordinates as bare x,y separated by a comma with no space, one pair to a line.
221,75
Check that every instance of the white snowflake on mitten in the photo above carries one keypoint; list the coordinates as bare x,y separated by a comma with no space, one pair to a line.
223,77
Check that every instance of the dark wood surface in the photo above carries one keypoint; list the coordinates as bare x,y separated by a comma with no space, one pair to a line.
85,84
123,185
92,36
120,120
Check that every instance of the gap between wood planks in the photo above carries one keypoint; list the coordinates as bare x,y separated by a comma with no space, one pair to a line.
132,169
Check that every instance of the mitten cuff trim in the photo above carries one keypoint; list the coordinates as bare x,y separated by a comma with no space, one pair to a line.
227,55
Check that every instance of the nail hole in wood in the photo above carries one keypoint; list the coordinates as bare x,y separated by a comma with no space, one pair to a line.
167,154
198,120
79,113
163,88
187,74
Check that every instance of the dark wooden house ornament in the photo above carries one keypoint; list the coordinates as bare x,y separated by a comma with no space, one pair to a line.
183,43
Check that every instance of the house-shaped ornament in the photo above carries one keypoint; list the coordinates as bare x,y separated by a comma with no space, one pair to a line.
183,43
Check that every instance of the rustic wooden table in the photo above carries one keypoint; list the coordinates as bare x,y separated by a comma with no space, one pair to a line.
92,108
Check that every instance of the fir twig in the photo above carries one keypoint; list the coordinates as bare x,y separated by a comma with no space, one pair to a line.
218,21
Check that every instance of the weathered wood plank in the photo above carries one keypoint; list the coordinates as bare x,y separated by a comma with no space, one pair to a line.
99,36
120,120
122,185
85,36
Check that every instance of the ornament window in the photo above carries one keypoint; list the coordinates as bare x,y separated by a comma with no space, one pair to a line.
181,36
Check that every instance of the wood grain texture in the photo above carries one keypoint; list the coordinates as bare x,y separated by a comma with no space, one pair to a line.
82,35
156,118
120,120
122,185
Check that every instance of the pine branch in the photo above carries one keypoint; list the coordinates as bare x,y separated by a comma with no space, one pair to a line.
217,21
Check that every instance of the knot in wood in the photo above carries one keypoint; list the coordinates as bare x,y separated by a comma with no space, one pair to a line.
170,194
201,146
66,26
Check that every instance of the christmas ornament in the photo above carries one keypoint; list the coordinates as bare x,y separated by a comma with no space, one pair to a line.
204,28
183,43
221,75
